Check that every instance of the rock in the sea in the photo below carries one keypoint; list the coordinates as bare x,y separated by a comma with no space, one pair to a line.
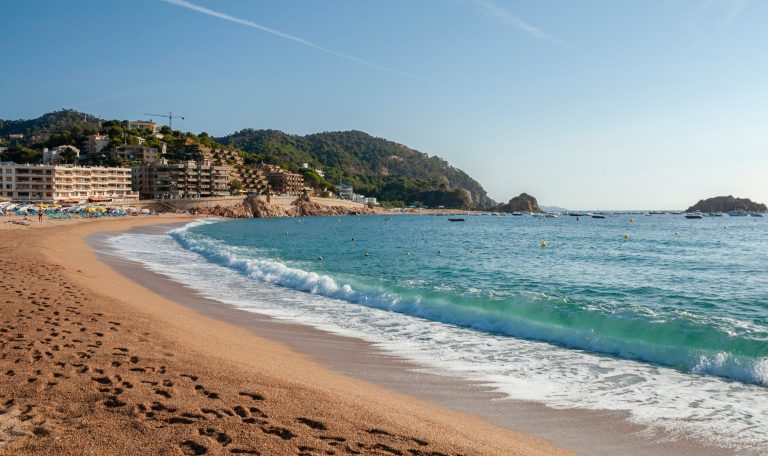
521,203
727,204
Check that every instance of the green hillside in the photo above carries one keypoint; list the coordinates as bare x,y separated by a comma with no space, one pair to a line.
41,129
374,166
392,172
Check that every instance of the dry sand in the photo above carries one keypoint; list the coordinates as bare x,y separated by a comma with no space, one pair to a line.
93,363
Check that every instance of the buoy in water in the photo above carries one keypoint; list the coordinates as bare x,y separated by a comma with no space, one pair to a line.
631,220
725,226
677,233
626,235
366,254
320,258
543,244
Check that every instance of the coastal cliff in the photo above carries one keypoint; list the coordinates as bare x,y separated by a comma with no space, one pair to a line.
727,204
259,207
521,203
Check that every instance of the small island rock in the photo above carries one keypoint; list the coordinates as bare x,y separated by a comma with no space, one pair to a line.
727,204
521,203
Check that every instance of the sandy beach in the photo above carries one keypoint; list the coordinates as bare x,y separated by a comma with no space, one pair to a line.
94,363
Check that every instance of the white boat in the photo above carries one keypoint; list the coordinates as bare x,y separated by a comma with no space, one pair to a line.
551,215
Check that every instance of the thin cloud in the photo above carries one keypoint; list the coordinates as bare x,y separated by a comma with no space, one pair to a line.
707,16
497,12
286,36
734,8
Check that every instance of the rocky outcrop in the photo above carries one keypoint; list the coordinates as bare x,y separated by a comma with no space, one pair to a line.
258,207
301,208
521,203
727,204
236,211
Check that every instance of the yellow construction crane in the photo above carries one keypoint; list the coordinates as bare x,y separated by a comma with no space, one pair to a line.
168,116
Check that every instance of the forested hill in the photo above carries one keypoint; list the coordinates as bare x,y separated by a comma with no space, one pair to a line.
374,166
391,172
40,129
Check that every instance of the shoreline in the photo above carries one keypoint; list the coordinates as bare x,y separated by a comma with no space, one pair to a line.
95,363
598,432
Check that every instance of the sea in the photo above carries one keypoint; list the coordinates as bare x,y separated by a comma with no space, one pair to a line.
658,316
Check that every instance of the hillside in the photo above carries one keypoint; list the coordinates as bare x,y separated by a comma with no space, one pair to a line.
727,204
374,166
393,173
41,129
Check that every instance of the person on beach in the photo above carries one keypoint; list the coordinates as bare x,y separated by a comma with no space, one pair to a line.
40,215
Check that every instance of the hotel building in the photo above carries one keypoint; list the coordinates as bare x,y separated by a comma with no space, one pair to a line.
54,183
188,179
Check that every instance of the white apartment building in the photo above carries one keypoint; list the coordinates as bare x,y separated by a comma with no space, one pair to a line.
95,144
51,156
54,183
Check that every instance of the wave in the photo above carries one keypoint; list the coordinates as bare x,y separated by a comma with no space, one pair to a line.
685,342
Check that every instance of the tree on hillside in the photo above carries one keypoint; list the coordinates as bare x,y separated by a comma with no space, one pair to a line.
68,156
235,187
21,154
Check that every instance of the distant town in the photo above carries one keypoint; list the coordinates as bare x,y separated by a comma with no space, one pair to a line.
136,164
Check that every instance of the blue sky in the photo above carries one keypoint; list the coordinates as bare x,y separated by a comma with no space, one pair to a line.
584,104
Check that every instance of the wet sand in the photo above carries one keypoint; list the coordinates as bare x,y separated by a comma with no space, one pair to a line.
586,431
95,363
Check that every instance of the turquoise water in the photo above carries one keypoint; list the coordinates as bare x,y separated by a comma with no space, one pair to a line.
669,324
697,302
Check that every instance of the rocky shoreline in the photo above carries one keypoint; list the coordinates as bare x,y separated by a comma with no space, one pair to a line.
258,207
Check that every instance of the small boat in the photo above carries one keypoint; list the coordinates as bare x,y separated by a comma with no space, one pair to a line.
551,215
756,214
455,219
737,213
517,213
693,215
598,216
576,214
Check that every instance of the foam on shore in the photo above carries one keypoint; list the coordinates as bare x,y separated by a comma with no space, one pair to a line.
680,403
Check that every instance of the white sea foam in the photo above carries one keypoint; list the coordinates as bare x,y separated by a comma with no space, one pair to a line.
709,408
